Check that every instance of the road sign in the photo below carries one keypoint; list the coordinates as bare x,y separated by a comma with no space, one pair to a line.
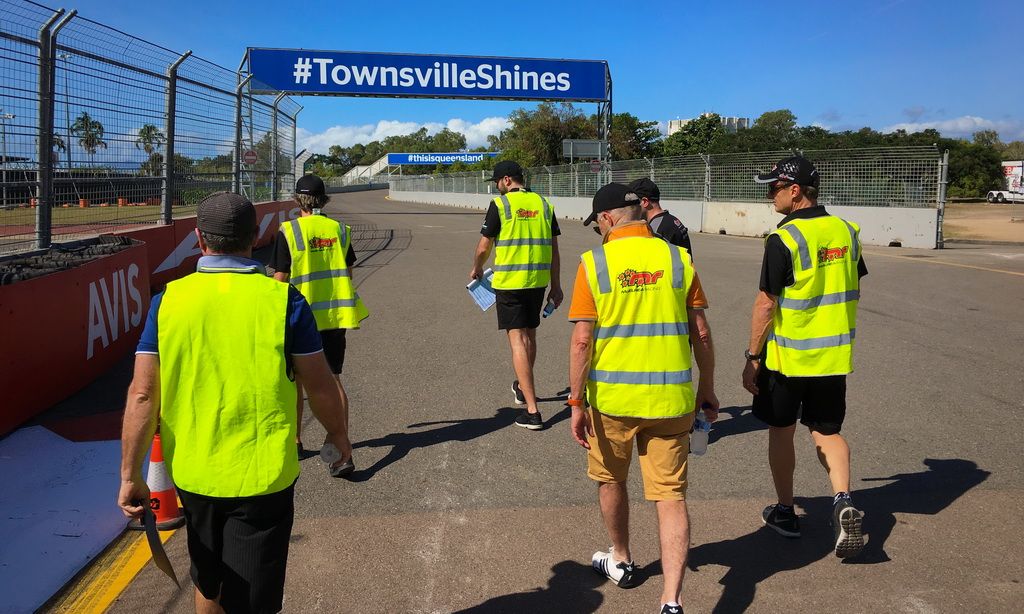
250,156
595,166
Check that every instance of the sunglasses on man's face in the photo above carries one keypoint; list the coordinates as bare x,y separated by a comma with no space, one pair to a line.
774,189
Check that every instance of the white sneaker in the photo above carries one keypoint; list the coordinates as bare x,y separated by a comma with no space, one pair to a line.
623,574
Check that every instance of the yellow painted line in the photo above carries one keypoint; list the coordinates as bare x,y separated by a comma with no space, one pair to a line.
108,575
947,263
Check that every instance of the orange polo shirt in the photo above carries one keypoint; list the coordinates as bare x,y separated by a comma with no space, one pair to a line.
583,306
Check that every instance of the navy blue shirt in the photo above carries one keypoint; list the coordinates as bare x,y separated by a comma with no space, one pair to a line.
302,336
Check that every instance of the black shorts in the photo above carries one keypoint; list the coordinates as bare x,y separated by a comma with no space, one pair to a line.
819,402
239,547
519,308
334,348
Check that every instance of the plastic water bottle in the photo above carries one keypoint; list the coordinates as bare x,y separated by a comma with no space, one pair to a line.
549,308
330,454
699,435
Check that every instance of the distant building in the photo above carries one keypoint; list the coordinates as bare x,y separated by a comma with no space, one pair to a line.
731,124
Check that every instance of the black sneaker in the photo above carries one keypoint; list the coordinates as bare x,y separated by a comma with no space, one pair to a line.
530,421
671,609
624,574
846,522
517,392
784,523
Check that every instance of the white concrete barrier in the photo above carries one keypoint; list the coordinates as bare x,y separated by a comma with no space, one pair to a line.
878,225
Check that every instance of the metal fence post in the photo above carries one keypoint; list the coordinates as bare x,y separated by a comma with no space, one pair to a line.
707,176
236,180
651,162
44,193
941,210
273,149
295,123
167,198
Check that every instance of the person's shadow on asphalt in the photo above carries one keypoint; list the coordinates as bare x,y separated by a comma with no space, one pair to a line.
763,553
572,588
448,430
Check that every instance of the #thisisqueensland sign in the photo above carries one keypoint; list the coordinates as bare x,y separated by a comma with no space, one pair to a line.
348,73
439,158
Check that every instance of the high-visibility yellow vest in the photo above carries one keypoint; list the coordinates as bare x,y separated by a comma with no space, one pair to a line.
227,407
318,246
640,366
816,320
522,251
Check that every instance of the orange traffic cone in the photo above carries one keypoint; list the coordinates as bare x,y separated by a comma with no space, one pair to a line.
163,498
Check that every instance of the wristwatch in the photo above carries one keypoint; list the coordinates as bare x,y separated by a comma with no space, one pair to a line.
574,402
749,356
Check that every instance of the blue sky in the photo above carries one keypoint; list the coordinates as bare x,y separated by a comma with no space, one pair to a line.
953,65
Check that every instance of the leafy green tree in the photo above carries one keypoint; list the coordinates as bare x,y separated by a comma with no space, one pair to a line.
699,135
1014,150
632,139
534,137
90,134
58,146
149,139
988,138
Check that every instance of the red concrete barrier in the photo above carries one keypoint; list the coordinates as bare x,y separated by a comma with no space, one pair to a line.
62,331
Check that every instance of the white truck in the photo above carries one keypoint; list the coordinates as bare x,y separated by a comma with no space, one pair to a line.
1014,192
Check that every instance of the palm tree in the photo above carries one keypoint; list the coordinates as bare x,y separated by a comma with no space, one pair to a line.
90,134
149,140
58,146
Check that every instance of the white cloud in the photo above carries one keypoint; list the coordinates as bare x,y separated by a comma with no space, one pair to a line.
965,126
346,136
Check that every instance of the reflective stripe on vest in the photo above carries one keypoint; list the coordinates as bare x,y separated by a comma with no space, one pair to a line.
523,247
641,359
318,248
227,407
814,326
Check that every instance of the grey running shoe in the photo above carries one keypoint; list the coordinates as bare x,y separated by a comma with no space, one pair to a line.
623,574
517,392
530,421
784,523
846,522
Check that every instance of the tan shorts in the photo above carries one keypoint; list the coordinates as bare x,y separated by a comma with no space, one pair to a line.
662,445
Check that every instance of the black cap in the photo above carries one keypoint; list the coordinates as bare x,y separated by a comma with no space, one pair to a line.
226,214
645,188
310,184
506,168
612,196
795,169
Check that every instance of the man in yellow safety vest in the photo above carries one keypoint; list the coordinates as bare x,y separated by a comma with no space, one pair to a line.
214,367
314,253
638,306
521,228
801,343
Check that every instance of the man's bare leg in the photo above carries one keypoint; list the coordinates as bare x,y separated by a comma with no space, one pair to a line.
523,342
615,511
782,459
674,531
834,456
207,606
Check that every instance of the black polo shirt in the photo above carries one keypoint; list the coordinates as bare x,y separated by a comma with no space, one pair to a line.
668,227
777,267
492,220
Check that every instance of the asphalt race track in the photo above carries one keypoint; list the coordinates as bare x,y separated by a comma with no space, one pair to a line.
453,509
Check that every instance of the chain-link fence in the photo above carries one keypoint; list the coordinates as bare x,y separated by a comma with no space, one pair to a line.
876,177
90,116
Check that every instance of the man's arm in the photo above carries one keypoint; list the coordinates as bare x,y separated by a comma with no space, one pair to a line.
281,276
581,349
483,252
704,355
140,420
760,325
326,399
555,294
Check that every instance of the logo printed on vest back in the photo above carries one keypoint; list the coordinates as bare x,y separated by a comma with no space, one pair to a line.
830,255
638,281
526,214
319,244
